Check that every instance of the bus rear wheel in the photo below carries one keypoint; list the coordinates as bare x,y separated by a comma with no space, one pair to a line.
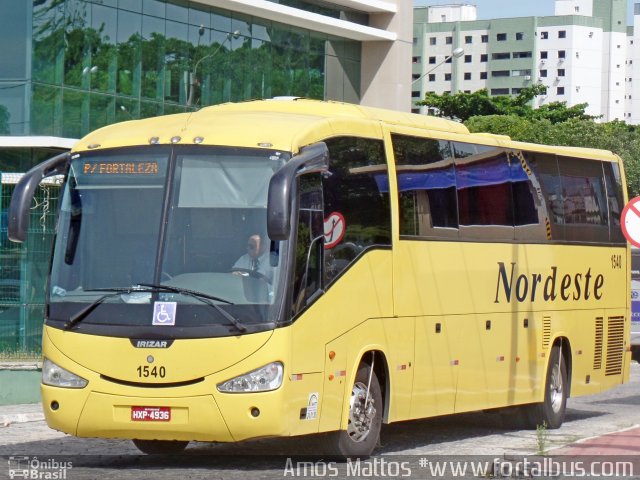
160,447
550,413
365,418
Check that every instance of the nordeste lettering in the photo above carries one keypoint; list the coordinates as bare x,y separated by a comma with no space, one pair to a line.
548,286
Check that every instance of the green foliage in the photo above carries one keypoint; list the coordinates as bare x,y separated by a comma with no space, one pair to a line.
463,106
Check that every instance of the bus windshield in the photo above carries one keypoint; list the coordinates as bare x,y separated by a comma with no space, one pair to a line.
169,240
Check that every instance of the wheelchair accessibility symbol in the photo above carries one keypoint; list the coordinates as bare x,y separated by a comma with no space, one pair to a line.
164,313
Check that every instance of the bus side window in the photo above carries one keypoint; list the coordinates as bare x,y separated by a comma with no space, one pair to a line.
613,185
357,188
310,242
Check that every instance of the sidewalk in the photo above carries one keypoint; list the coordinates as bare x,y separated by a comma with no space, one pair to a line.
29,412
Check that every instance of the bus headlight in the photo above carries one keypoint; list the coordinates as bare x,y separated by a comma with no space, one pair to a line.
57,376
263,379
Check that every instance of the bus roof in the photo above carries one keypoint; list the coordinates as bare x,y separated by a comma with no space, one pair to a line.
289,123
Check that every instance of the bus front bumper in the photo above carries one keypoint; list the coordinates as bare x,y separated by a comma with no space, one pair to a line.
196,417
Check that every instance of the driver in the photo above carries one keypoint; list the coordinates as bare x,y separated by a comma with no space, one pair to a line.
255,260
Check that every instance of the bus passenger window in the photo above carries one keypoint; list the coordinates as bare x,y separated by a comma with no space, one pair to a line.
583,194
613,184
483,182
426,186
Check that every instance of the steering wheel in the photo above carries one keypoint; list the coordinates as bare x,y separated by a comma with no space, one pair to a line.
165,276
251,273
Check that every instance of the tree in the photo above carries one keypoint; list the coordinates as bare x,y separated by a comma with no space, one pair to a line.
462,106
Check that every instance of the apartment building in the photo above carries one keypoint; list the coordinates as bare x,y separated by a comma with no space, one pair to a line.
580,54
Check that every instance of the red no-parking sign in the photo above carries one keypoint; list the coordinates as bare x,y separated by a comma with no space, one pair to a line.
334,228
630,221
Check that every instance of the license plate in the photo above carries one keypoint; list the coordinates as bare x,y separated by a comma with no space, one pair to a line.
151,414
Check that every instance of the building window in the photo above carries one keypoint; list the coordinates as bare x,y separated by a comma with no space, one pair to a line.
443,18
501,56
432,59
449,40
519,35
501,37
516,91
447,77
432,40
499,91
483,75
543,73
415,93
416,59
521,73
500,73
562,54
485,38
561,72
484,57
415,40
560,90
432,77
468,39
522,54
467,59
544,54
467,75
415,76
544,35
562,34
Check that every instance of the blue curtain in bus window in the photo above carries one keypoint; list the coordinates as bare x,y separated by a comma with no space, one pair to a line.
483,180
426,186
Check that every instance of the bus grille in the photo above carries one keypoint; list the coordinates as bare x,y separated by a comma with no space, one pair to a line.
615,345
546,332
597,354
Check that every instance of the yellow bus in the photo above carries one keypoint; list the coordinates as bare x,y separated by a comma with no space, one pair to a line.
289,267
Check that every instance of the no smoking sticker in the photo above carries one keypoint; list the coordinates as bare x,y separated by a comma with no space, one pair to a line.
630,221
334,227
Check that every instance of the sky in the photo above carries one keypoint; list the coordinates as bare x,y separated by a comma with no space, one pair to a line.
512,8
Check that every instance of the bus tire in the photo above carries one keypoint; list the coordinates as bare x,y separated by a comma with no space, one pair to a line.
365,421
550,413
160,447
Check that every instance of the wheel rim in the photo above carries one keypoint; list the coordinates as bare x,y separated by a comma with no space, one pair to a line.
361,416
556,391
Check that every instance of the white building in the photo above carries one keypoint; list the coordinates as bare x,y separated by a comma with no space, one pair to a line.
579,54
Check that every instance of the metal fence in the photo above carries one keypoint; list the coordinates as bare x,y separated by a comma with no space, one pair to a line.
24,269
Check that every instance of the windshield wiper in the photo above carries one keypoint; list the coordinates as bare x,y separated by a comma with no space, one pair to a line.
152,288
202,297
83,313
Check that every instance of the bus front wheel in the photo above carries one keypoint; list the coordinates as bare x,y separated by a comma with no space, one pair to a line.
365,418
160,447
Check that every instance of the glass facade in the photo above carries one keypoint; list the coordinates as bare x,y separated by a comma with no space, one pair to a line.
78,65
72,66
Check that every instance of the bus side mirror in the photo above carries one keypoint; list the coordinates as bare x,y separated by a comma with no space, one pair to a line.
22,196
282,187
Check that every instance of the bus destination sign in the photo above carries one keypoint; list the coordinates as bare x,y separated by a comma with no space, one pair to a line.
120,168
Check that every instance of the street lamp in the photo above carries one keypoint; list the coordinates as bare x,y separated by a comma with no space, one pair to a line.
457,53
193,77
